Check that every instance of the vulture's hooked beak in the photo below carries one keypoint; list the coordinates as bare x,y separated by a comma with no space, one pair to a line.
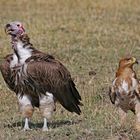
8,29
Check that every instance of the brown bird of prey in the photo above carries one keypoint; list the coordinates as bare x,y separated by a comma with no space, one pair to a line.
124,92
38,79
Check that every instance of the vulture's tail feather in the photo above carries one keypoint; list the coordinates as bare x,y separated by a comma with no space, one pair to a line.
74,100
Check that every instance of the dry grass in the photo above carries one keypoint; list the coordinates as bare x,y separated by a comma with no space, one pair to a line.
85,35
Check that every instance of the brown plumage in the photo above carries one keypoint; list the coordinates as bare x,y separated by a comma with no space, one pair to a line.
47,74
124,92
6,72
38,79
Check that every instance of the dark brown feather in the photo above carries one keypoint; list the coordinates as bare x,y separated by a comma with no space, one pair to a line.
6,72
10,76
48,75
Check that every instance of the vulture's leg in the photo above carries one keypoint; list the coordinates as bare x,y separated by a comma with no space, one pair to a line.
47,106
45,126
137,111
26,109
26,126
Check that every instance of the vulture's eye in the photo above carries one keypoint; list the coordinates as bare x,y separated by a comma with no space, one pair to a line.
18,25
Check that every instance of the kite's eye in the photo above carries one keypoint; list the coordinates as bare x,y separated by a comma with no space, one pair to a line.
128,59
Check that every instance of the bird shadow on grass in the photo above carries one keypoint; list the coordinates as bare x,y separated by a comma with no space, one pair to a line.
52,124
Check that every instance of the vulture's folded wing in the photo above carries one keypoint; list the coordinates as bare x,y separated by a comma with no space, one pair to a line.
6,72
48,75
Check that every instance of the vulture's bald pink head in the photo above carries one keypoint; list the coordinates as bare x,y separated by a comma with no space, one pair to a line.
14,28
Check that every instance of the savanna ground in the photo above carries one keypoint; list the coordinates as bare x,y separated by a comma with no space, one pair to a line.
86,35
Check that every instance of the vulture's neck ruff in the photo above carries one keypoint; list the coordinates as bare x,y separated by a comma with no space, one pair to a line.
22,50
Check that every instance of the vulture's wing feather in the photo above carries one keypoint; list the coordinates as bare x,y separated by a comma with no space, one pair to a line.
48,75
6,72
10,78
